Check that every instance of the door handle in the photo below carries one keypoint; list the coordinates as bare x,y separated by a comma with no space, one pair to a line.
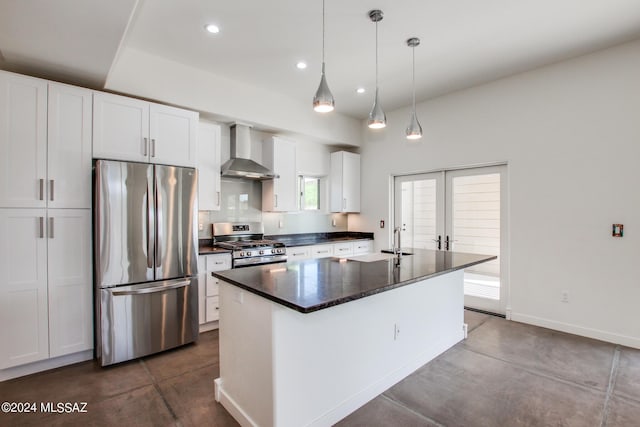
275,200
41,189
51,186
344,203
145,143
219,201
41,221
153,147
438,242
51,227
448,242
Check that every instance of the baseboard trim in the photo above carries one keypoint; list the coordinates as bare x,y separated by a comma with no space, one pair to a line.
232,406
45,365
490,313
577,330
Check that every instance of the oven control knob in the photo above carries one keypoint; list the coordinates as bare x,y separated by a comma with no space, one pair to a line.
261,252
241,254
248,253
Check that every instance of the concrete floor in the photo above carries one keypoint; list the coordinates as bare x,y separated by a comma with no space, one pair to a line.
504,374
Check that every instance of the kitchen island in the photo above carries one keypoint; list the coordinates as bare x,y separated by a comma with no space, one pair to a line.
307,343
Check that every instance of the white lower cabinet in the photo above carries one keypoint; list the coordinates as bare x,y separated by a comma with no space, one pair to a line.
299,253
69,281
322,251
209,309
325,250
362,247
46,311
343,249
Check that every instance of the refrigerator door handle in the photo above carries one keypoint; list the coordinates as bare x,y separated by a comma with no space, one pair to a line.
151,289
159,225
148,218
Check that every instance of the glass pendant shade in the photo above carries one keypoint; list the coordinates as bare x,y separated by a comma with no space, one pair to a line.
323,102
377,118
414,130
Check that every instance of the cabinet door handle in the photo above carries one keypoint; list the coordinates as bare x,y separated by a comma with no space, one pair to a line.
41,189
219,201
51,227
153,147
145,143
41,220
276,200
51,186
344,203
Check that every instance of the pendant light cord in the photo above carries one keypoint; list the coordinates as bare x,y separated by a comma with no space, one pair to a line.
322,36
376,57
413,83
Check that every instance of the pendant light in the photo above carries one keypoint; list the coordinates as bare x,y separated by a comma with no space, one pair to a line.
323,102
414,130
377,119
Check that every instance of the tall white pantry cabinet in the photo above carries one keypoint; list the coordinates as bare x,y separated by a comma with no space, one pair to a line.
45,220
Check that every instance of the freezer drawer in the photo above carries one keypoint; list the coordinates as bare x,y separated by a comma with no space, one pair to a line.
138,320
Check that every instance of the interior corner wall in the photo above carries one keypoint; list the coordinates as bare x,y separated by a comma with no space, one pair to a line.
139,73
570,133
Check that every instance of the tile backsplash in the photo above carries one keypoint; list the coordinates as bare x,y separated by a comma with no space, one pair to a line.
242,201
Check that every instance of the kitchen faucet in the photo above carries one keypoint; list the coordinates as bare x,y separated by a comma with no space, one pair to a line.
397,250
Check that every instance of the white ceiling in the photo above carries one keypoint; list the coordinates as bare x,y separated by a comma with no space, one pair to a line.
464,42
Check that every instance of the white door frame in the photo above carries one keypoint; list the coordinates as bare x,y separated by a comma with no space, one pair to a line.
444,226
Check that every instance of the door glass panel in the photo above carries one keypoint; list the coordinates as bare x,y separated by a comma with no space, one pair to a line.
419,213
476,229
416,210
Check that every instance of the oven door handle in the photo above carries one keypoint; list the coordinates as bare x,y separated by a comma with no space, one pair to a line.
151,289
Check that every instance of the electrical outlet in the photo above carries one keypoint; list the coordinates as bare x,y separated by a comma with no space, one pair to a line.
564,297
396,332
200,226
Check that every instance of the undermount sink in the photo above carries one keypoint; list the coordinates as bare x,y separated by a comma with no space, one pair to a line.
373,257
389,251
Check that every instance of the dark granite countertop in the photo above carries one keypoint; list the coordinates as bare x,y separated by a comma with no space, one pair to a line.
211,250
304,239
315,284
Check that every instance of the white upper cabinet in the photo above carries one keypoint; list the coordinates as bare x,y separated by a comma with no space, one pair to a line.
45,144
345,182
173,133
208,167
120,128
23,141
134,130
69,147
281,193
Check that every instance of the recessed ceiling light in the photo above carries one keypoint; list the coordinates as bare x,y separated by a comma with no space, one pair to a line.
360,90
301,65
212,28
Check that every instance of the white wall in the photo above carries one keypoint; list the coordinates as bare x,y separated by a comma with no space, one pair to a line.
141,74
570,133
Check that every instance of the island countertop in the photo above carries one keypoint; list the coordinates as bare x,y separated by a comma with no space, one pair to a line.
316,284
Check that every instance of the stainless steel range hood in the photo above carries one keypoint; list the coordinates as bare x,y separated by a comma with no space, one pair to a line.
240,164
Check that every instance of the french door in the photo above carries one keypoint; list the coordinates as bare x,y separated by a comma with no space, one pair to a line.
461,210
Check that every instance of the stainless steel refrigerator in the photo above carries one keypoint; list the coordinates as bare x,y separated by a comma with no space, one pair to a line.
145,236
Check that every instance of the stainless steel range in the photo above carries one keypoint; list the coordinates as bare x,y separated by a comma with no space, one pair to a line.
246,241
